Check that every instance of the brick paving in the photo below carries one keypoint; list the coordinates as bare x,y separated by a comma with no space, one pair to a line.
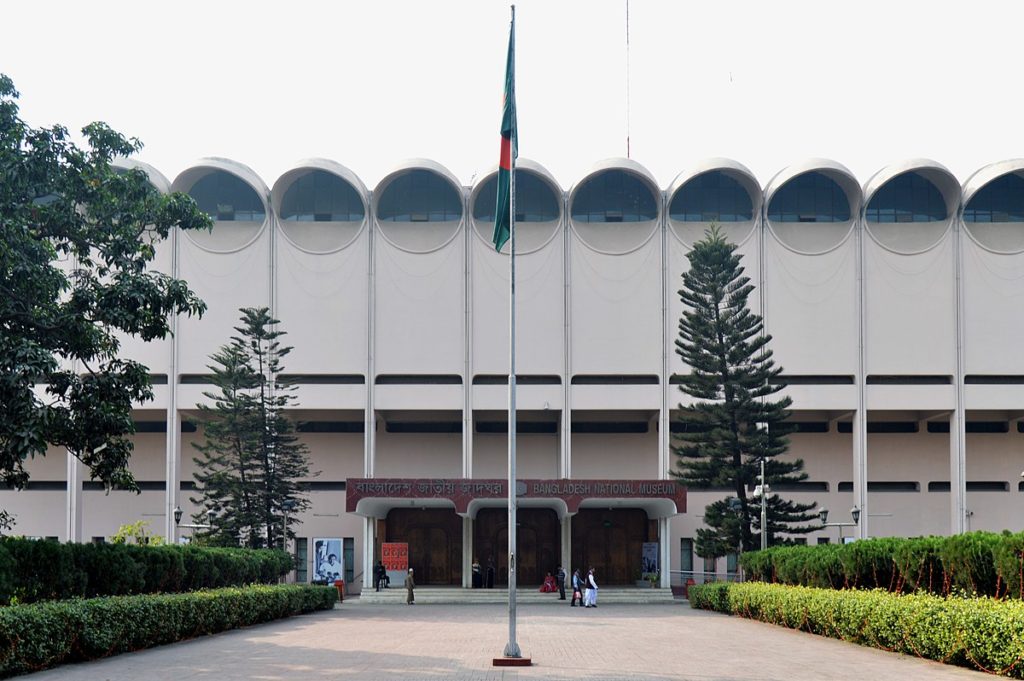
363,642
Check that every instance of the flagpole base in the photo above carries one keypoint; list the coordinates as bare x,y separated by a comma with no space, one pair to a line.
512,662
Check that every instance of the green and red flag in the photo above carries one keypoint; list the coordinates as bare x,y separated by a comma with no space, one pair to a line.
509,148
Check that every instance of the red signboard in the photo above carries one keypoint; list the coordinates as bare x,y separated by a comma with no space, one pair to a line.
395,556
462,491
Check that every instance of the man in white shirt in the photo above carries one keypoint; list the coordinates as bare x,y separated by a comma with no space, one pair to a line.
590,597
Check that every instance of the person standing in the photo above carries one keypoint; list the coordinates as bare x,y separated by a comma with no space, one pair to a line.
410,586
478,578
577,588
590,600
379,573
490,573
560,578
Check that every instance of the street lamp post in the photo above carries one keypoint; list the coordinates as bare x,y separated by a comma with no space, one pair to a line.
854,513
762,491
193,526
736,506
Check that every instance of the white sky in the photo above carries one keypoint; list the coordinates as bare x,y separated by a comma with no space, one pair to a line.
370,84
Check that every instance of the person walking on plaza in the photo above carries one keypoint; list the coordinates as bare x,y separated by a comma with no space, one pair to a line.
577,588
590,600
410,585
560,578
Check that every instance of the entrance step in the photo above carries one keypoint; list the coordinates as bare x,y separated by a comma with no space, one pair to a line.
454,595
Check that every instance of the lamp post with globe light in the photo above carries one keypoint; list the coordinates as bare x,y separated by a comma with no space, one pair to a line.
854,513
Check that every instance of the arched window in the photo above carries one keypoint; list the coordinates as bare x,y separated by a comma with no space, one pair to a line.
226,198
419,196
319,196
1001,200
811,197
614,196
712,197
535,200
907,198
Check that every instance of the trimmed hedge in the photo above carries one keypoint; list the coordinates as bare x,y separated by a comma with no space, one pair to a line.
979,563
44,635
36,570
981,633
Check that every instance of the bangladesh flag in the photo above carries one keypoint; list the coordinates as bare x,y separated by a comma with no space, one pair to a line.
509,148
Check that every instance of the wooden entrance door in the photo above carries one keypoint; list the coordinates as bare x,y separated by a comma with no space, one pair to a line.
537,539
434,536
611,542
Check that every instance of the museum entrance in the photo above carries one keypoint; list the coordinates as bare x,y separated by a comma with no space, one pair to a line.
538,540
434,536
611,542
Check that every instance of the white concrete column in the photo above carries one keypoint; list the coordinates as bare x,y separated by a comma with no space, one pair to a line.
467,552
958,420
369,540
172,465
73,508
566,531
664,548
860,416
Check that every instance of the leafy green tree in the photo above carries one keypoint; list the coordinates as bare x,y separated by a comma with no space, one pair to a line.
251,463
77,237
734,420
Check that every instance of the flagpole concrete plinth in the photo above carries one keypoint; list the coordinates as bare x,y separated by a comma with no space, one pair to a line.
512,662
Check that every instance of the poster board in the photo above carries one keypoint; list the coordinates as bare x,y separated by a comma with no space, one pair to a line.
328,560
395,556
649,560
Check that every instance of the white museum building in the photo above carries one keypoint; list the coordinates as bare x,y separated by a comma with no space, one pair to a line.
891,306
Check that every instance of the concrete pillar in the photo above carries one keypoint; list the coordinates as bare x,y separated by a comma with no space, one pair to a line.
566,528
665,553
467,552
369,541
73,509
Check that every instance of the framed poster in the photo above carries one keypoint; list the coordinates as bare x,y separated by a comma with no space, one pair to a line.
649,560
327,560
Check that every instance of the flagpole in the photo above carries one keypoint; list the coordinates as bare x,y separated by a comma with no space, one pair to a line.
512,647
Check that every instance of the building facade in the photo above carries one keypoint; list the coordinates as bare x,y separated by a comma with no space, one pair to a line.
890,305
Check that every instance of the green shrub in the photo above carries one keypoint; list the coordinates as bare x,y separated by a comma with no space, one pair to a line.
968,562
759,565
709,596
867,563
33,570
983,633
1008,557
43,635
978,563
919,565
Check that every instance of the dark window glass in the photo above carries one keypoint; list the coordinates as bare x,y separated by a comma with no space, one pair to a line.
349,550
614,196
227,198
811,197
535,202
712,197
1001,200
907,198
686,555
419,196
320,196
301,559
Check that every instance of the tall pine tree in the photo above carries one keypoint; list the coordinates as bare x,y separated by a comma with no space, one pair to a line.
251,464
734,420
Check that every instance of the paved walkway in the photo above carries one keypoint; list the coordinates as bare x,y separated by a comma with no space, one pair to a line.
457,642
